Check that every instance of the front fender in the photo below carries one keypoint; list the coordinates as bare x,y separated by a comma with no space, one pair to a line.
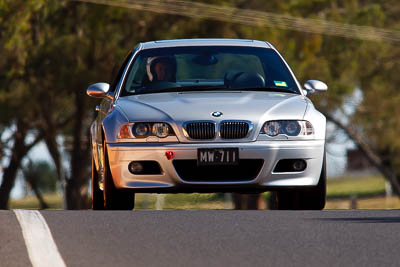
318,121
112,123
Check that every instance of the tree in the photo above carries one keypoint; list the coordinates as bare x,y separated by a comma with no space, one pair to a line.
40,177
15,38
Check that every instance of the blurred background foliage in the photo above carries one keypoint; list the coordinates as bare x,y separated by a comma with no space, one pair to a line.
51,50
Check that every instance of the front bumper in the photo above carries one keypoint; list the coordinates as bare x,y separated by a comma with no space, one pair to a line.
121,154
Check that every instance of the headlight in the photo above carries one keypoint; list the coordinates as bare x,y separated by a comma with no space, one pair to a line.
145,129
292,128
289,128
141,129
272,128
161,129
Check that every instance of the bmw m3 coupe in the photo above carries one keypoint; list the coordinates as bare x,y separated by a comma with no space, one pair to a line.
207,115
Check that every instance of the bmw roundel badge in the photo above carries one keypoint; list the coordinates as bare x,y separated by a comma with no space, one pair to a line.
217,114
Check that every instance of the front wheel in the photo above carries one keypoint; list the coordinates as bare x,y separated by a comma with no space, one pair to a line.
97,194
114,198
306,199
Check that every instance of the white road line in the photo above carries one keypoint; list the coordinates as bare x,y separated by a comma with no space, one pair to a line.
42,249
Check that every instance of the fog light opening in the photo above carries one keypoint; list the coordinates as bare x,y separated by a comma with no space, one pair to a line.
299,165
145,167
135,167
290,165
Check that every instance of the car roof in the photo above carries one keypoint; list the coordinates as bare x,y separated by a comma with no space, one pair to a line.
205,42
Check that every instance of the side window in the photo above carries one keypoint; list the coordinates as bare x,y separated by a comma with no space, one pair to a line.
120,72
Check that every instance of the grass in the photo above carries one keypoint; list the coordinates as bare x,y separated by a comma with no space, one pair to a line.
347,187
30,202
378,202
368,191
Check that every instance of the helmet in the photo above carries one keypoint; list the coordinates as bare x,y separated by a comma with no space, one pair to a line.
168,61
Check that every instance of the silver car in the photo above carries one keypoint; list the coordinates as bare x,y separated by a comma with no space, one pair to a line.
207,115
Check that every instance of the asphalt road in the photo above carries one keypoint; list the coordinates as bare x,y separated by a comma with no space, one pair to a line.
212,238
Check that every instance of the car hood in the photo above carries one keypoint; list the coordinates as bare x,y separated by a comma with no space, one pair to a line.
234,105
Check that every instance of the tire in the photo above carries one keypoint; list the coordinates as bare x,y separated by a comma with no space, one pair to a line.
97,194
307,199
114,198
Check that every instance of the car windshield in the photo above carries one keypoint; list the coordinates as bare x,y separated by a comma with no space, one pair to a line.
197,68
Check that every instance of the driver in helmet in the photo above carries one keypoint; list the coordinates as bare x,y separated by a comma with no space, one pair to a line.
161,69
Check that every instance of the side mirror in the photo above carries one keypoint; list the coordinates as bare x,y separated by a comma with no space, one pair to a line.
98,90
312,86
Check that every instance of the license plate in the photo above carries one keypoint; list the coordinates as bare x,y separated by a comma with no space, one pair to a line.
217,156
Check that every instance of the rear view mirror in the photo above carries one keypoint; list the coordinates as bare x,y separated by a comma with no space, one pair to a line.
312,86
98,90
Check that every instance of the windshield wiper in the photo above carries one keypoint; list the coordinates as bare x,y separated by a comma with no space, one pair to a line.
196,88
271,89
144,90
200,88
222,87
